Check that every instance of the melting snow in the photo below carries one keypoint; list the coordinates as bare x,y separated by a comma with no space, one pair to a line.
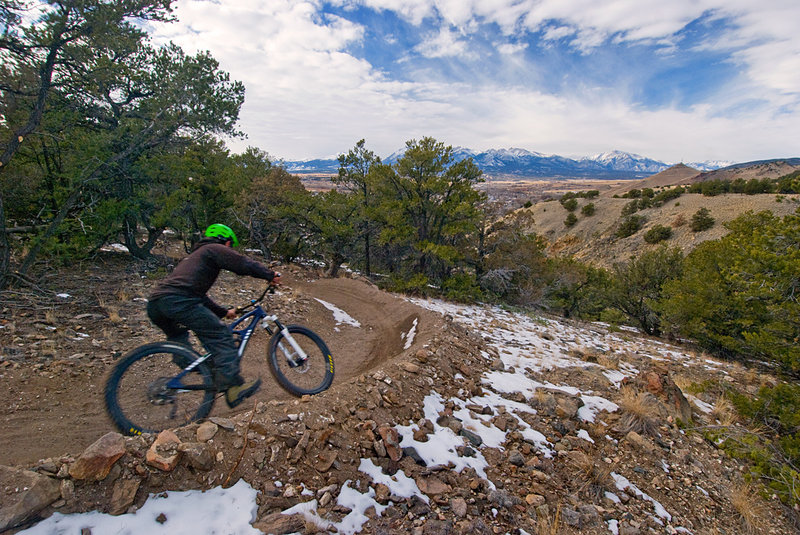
340,315
523,342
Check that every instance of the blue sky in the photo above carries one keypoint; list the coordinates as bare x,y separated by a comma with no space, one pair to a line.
677,80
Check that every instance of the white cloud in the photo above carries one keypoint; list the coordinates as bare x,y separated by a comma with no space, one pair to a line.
443,44
308,95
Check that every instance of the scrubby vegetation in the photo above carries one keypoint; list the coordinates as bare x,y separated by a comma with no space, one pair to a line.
701,220
127,147
657,234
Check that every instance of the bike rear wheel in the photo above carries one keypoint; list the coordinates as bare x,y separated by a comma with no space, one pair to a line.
138,399
311,376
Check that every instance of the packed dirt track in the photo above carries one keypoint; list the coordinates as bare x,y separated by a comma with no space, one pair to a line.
57,355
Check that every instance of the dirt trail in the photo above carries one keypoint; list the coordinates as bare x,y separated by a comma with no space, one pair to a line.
54,407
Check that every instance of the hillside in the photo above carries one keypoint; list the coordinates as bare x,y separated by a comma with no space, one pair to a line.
494,422
593,238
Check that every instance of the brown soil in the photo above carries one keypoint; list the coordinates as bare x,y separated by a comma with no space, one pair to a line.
56,352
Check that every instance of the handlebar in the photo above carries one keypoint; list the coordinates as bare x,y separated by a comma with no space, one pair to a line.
253,302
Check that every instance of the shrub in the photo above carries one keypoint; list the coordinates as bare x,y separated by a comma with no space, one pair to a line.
570,204
570,220
462,287
737,295
679,221
668,195
528,204
630,226
588,209
702,220
657,233
777,409
630,208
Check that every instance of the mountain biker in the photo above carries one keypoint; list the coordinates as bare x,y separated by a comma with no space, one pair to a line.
180,303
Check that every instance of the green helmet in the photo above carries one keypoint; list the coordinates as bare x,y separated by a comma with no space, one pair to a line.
218,230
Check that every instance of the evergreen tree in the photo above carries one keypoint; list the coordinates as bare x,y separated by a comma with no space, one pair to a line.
429,206
739,295
637,285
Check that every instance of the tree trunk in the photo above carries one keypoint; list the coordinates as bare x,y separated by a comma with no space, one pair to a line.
5,249
137,251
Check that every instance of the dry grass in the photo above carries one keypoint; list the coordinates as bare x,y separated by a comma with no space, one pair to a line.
546,525
590,474
679,221
50,316
683,382
749,506
608,361
724,411
639,413
111,309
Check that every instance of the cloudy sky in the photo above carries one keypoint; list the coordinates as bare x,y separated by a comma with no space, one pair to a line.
674,80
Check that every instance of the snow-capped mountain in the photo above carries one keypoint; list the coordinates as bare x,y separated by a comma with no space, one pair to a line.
524,163
624,161
710,165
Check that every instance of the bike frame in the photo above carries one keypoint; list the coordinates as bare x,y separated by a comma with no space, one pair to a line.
250,320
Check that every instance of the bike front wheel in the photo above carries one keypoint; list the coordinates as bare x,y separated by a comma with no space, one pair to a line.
297,375
139,399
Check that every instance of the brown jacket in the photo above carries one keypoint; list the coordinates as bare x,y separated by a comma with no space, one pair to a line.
195,274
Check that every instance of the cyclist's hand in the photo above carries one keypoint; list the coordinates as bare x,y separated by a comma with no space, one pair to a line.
276,279
231,313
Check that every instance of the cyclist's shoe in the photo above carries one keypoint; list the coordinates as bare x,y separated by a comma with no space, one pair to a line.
236,394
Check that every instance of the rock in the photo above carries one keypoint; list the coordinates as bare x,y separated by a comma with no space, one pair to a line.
391,441
25,493
412,453
325,460
410,367
640,442
199,455
571,517
96,461
437,527
535,500
432,485
459,507
474,439
382,493
206,431
516,458
164,453
226,423
280,524
123,495
501,498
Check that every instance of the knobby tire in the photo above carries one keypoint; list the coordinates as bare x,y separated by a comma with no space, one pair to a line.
138,402
314,376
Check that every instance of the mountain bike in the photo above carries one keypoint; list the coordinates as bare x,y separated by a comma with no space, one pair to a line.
164,385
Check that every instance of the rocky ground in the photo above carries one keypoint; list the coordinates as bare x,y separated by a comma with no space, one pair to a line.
644,468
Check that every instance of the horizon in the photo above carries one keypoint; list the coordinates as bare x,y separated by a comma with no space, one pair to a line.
688,81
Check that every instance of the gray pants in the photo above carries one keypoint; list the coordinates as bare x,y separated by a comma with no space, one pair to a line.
177,314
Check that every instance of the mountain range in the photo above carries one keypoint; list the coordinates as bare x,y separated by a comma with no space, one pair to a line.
523,163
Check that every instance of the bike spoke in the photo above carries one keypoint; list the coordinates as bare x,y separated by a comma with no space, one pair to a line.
144,398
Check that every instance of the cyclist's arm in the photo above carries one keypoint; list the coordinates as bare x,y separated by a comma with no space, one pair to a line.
241,265
219,310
